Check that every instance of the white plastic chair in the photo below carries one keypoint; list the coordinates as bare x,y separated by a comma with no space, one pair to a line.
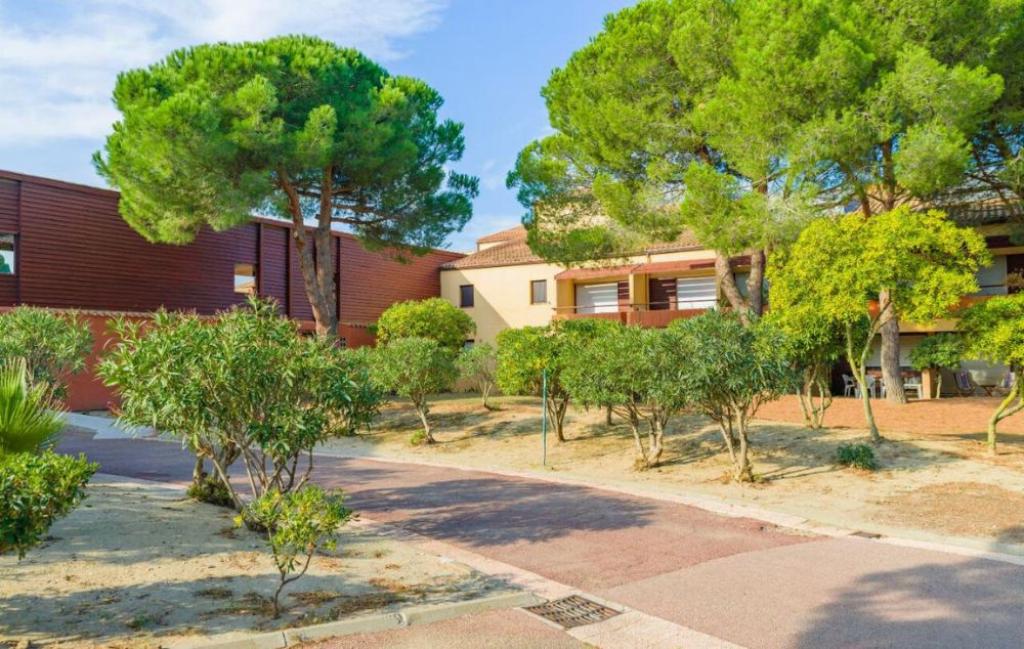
913,385
849,385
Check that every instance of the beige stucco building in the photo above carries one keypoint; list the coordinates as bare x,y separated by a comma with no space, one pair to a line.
504,284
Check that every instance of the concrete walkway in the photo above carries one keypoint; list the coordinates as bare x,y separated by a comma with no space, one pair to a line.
734,579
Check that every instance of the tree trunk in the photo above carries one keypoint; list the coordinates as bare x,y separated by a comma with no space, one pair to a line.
755,283
657,442
198,472
641,462
938,384
422,411
317,274
860,375
727,282
744,470
890,332
556,413
1003,411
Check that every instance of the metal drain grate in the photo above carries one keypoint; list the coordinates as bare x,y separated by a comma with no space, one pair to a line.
572,611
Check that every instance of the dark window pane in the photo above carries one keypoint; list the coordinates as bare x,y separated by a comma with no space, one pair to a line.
539,291
466,295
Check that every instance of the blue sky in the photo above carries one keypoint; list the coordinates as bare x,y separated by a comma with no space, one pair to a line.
488,58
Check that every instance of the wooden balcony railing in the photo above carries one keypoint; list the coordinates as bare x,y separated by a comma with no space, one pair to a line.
632,314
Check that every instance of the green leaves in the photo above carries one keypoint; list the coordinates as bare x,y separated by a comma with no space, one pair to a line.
27,424
54,345
205,133
994,330
36,490
434,318
939,351
414,367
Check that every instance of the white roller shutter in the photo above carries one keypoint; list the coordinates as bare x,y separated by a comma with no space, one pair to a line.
696,293
597,298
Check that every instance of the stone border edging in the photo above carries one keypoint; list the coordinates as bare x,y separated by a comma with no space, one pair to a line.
411,616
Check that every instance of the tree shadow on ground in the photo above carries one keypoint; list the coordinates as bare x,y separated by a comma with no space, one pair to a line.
484,511
971,603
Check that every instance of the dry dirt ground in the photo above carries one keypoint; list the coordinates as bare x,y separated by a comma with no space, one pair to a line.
139,566
935,479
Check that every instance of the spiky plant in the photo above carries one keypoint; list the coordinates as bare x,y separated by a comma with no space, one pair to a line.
27,424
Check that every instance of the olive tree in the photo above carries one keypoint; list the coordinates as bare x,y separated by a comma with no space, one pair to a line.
242,385
938,352
626,369
922,262
812,343
433,317
525,354
477,365
416,368
727,370
994,330
54,345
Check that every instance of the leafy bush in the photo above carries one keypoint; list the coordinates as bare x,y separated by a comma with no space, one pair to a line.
626,369
938,352
27,425
727,370
367,396
434,318
476,365
415,368
36,490
243,385
296,524
54,345
994,330
524,354
860,456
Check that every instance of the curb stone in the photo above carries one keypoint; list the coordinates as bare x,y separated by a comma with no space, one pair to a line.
415,615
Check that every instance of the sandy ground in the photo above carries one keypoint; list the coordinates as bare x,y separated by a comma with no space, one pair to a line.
935,481
139,566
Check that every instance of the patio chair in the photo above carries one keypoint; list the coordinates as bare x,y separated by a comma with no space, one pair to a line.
1005,384
849,386
913,384
964,385
871,382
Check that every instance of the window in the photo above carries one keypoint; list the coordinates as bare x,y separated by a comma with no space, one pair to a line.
466,295
597,298
245,279
539,291
696,293
466,344
7,266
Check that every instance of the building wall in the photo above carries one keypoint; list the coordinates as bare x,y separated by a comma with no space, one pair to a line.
502,296
74,251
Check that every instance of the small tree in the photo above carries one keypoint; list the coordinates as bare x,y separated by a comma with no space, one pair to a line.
296,524
938,352
525,353
416,368
813,344
36,490
727,370
245,385
54,345
994,330
921,261
434,318
367,396
627,369
477,366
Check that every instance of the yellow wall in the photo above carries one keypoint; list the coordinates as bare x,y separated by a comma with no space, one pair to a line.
501,296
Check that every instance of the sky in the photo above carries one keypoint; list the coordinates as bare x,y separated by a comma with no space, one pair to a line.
488,59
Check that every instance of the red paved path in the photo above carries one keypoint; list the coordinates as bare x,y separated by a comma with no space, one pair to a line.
732,578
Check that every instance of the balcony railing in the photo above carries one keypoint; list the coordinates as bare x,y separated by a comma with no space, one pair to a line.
632,314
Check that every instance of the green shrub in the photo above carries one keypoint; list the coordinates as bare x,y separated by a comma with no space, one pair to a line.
938,352
53,345
415,368
296,524
27,425
434,318
211,490
476,366
859,456
243,385
36,490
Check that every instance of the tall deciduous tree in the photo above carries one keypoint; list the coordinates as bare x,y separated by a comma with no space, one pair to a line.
294,126
838,267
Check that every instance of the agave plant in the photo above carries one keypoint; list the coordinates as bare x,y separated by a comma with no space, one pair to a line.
27,424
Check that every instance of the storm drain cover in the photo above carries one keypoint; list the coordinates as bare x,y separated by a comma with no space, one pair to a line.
572,611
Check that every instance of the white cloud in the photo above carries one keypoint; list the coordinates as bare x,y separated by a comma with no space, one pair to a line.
57,74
